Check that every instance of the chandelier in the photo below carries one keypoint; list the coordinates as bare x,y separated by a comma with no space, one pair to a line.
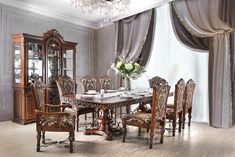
105,7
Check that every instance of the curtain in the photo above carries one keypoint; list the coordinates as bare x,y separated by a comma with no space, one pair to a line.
135,35
227,11
200,18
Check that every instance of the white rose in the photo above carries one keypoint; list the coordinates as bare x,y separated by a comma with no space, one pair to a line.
119,64
129,66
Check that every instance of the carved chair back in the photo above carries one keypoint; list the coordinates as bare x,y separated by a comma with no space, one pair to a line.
66,85
39,95
105,82
159,100
88,83
179,96
189,91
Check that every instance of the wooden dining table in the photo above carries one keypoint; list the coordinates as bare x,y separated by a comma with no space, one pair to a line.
105,105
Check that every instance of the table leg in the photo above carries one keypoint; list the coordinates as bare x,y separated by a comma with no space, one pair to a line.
104,128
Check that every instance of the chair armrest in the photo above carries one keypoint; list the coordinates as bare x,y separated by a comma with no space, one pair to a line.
61,107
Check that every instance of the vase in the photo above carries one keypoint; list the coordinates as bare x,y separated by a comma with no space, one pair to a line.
126,83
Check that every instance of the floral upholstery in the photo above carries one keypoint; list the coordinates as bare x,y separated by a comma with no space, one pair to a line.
39,94
67,121
88,83
48,121
190,87
105,82
155,119
139,117
65,85
169,112
179,95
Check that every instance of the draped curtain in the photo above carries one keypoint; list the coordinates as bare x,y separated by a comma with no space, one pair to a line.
135,35
198,25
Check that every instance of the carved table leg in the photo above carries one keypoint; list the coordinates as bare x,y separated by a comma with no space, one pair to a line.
104,128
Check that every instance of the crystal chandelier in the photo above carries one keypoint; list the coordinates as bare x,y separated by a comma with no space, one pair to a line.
105,7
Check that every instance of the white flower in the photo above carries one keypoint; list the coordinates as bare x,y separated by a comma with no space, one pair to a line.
129,66
119,64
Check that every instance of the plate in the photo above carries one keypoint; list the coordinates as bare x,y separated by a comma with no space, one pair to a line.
126,97
86,96
92,93
111,91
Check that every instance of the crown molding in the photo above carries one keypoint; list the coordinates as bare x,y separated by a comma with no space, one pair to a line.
76,21
44,12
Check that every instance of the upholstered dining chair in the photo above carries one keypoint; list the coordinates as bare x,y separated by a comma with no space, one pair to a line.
51,121
155,119
66,86
88,83
105,82
174,111
187,107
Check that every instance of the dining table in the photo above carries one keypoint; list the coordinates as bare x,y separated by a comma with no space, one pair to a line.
105,103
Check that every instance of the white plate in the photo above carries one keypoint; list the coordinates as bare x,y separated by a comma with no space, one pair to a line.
92,93
86,96
111,91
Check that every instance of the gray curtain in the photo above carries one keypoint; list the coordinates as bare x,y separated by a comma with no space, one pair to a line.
200,19
135,36
227,11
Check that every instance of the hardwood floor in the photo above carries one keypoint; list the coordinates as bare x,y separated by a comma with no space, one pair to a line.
198,141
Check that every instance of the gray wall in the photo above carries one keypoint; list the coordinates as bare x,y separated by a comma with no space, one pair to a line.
14,21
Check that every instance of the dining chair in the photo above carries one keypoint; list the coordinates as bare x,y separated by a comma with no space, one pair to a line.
187,107
66,86
51,121
174,111
88,83
105,82
154,120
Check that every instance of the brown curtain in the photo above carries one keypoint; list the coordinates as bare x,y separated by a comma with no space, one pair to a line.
204,29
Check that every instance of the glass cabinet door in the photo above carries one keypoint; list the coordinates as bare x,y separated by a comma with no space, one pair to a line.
17,63
53,60
34,62
68,60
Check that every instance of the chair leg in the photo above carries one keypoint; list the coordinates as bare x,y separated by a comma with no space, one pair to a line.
180,121
93,119
139,132
189,116
174,126
38,140
85,117
71,139
162,132
43,137
124,132
77,122
151,138
120,112
147,130
183,119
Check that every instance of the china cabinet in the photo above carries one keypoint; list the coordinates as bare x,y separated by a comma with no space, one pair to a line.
45,57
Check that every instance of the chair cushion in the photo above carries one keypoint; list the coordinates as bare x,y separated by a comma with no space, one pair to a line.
138,117
67,121
48,121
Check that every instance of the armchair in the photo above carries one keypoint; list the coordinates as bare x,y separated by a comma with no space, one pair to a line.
51,121
66,86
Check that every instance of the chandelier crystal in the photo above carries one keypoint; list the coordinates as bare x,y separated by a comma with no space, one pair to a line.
105,7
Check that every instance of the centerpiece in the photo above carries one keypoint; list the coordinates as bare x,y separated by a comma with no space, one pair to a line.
128,69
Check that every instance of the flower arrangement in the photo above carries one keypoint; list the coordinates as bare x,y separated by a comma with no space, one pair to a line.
128,68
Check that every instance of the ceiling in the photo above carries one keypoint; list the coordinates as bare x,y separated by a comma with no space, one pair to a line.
61,9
